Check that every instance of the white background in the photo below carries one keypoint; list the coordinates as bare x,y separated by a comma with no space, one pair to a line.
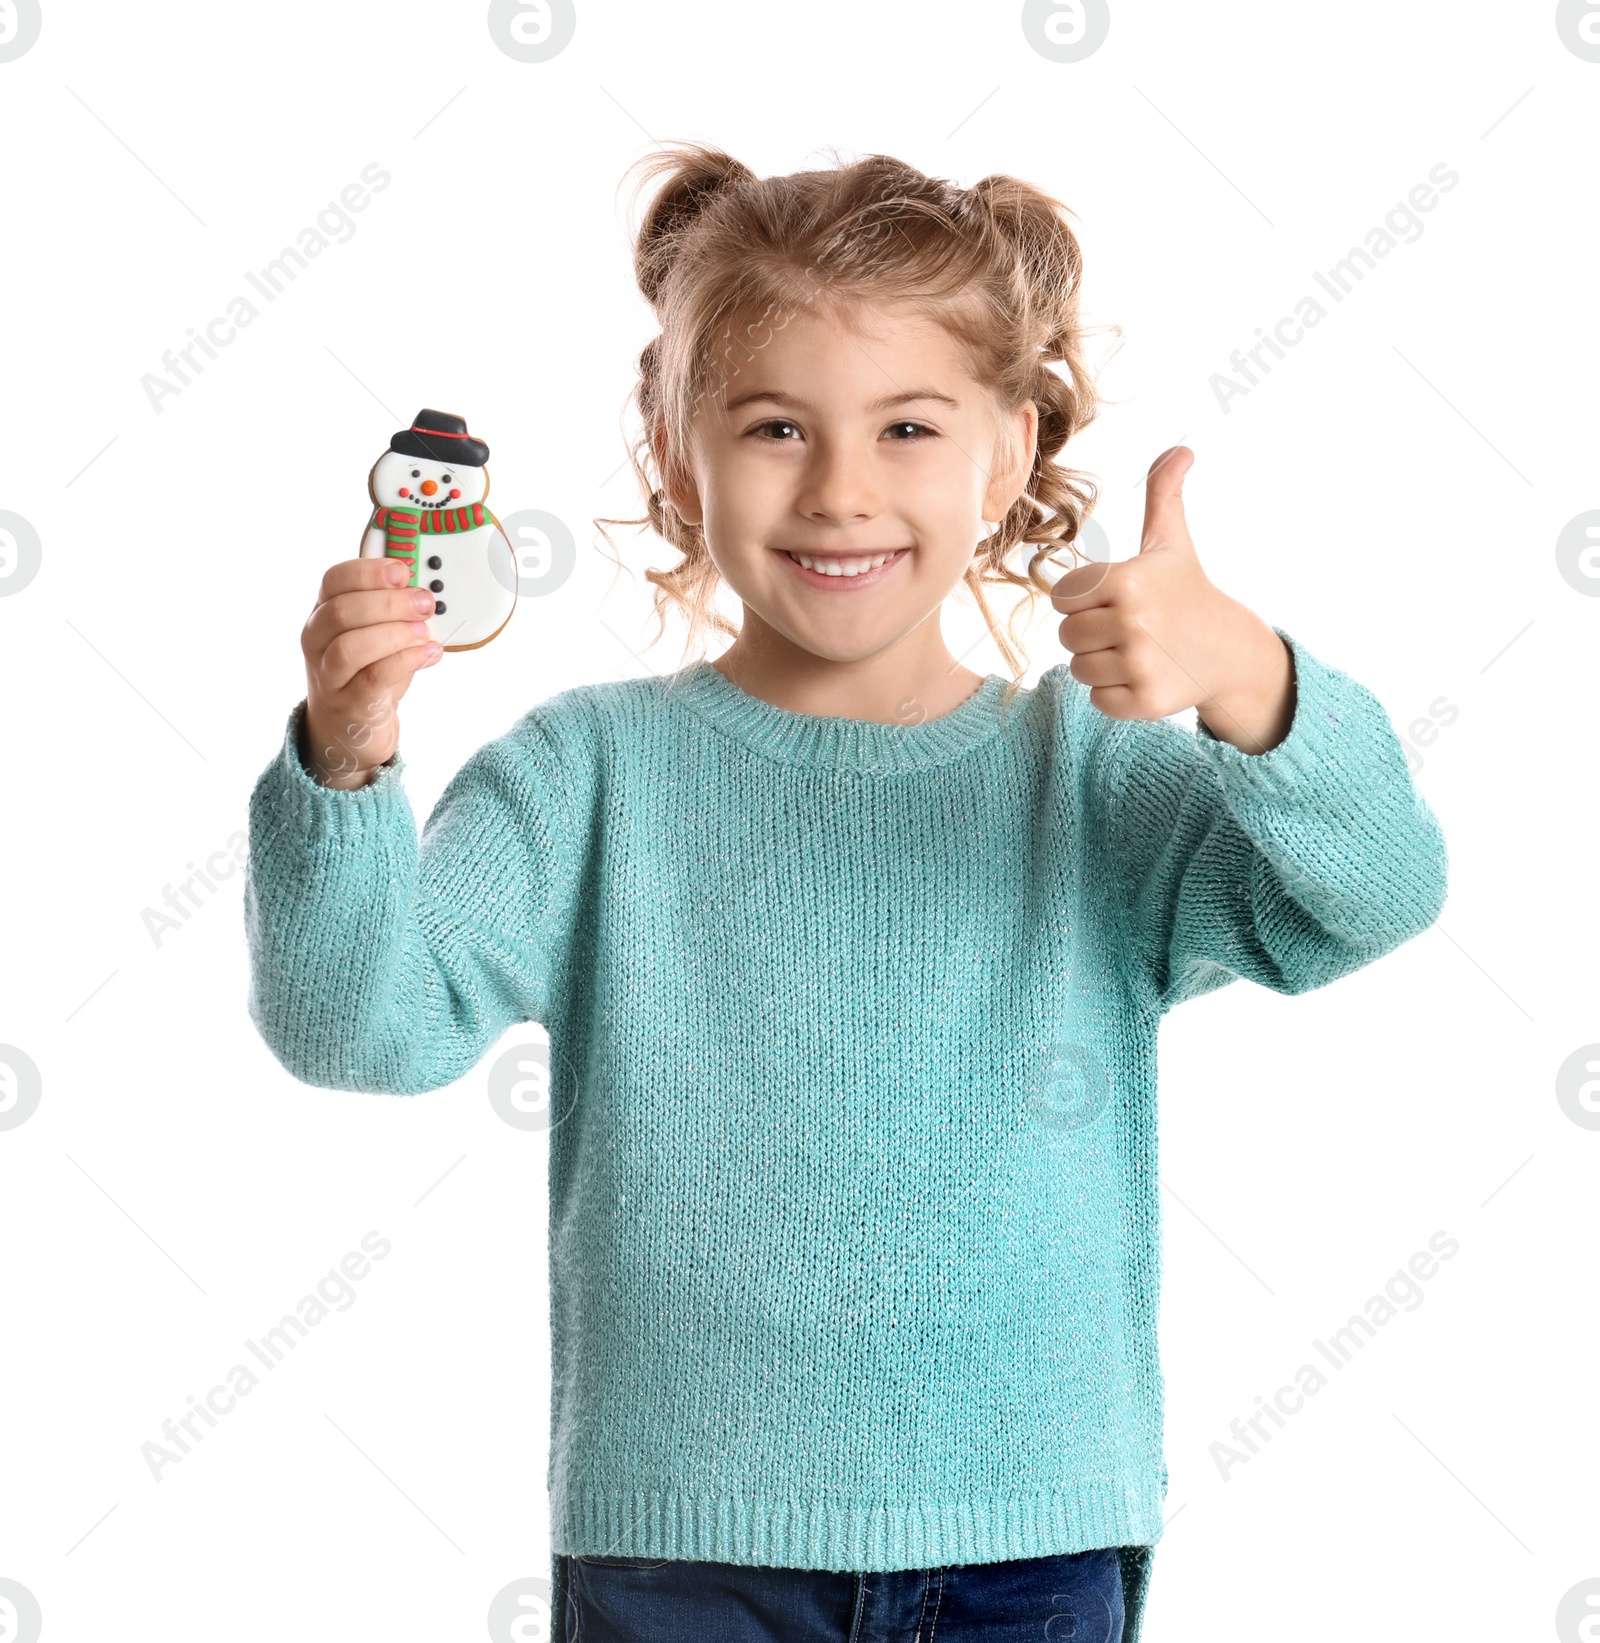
1391,495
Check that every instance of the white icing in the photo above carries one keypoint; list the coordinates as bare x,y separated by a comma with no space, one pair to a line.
477,600
413,474
477,567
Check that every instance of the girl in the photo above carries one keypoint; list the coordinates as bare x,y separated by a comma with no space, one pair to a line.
851,958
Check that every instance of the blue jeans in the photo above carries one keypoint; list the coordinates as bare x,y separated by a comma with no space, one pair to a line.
1076,1597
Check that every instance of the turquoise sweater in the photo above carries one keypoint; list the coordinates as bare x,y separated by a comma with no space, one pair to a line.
854,1223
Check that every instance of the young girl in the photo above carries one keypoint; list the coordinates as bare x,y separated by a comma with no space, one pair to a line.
851,958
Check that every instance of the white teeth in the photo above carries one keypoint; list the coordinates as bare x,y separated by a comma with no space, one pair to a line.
841,567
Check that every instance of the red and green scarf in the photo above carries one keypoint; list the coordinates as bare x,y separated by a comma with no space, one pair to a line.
402,526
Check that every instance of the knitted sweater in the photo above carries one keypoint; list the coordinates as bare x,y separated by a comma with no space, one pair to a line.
854,1225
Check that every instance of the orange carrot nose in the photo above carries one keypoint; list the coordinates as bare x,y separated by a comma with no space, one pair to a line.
429,486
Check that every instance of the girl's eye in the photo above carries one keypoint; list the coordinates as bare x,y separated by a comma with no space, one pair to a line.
917,429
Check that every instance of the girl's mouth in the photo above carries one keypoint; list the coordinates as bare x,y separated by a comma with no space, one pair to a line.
843,571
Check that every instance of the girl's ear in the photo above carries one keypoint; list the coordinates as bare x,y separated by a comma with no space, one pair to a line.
680,488
1008,478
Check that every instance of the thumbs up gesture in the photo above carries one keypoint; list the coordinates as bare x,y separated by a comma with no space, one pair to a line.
1153,635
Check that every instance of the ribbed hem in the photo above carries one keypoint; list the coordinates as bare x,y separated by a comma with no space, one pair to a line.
823,742
843,1535
332,810
1317,734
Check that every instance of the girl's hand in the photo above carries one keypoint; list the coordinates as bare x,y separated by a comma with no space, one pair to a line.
362,643
1153,635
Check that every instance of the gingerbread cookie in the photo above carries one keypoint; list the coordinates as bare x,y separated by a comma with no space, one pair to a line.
428,512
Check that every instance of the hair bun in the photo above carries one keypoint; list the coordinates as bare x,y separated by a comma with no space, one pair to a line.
692,175
1049,260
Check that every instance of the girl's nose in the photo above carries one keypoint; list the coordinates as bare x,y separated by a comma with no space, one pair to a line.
429,486
838,485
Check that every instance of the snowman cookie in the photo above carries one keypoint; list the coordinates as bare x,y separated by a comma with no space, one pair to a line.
428,512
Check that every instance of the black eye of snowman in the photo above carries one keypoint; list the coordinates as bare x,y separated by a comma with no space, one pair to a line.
444,479
416,473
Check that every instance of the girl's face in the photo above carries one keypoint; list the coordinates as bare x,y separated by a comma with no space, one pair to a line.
843,475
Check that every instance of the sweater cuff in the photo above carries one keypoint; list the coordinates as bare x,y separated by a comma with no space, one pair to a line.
332,811
1330,739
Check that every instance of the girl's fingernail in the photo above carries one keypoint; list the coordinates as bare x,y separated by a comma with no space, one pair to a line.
398,573
420,628
434,653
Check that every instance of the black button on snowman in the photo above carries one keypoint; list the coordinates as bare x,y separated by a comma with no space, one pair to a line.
427,491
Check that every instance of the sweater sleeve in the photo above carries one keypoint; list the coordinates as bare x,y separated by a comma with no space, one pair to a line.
1292,867
376,965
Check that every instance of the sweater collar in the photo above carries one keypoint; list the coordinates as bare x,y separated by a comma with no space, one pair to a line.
825,742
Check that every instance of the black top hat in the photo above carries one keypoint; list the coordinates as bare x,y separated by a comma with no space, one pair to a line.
441,438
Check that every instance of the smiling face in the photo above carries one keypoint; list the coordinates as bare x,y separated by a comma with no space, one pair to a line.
416,482
843,477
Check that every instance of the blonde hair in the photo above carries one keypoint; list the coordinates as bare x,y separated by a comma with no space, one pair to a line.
720,251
